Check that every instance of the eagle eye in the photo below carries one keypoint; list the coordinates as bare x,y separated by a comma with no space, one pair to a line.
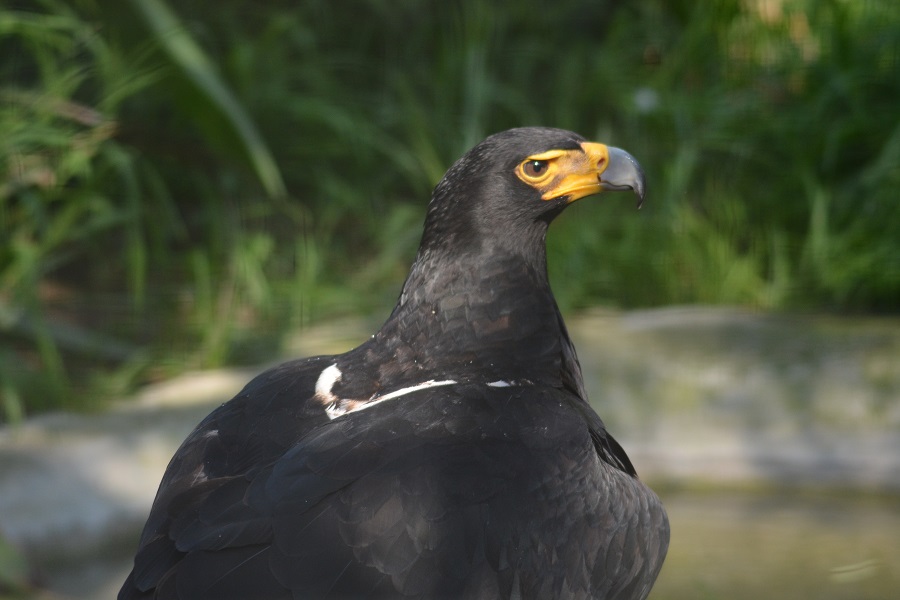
534,168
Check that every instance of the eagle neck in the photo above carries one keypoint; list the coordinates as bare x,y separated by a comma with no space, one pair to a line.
486,314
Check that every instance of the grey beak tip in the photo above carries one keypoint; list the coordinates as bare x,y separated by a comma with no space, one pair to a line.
624,173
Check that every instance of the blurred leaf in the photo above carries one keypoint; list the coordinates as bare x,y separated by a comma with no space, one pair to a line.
189,56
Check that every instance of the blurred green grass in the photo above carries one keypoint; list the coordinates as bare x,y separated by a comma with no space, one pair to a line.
181,184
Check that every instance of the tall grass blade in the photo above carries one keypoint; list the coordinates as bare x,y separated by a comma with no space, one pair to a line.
199,69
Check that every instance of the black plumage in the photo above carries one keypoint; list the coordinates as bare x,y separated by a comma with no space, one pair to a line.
451,455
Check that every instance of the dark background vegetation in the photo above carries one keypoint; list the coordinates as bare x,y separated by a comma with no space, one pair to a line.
183,183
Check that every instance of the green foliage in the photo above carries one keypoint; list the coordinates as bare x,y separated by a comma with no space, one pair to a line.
14,572
148,145
184,52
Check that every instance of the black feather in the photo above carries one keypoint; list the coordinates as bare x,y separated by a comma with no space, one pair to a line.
499,481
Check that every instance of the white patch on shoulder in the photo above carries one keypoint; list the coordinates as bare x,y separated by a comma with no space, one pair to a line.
337,407
327,378
403,391
334,411
409,390
503,383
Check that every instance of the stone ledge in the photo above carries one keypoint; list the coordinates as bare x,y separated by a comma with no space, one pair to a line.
718,395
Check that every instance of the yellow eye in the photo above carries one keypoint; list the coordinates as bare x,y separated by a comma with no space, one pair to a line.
535,168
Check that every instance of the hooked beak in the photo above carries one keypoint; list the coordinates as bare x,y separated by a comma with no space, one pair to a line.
623,172
576,174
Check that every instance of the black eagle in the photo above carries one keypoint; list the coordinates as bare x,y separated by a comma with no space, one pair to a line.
451,455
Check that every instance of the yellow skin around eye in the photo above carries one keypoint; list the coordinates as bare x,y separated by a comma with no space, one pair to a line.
571,173
551,161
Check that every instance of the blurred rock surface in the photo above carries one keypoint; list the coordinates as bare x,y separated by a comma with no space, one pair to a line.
708,395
